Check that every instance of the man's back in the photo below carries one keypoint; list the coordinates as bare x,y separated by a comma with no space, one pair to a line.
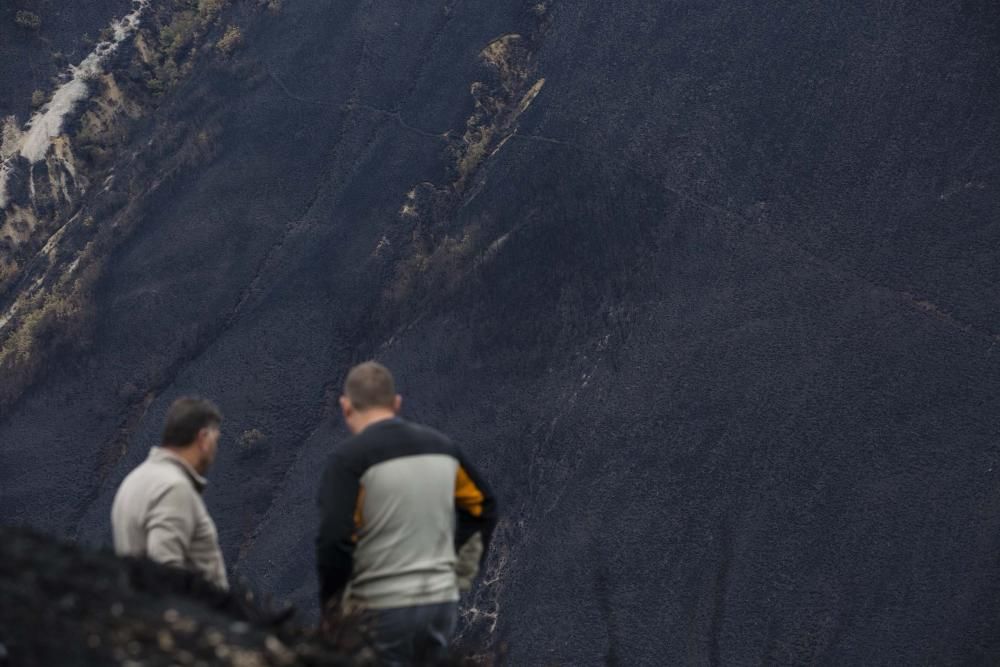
158,513
389,497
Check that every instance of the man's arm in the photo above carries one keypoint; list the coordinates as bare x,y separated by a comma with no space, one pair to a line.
338,500
476,508
170,525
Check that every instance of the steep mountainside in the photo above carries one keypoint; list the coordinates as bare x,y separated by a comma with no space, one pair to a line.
710,290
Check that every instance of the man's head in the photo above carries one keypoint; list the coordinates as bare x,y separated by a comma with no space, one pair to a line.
192,430
369,395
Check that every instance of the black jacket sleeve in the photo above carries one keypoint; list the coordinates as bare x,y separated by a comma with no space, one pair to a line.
338,497
475,505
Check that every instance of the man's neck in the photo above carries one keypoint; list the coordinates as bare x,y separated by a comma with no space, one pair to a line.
373,416
189,455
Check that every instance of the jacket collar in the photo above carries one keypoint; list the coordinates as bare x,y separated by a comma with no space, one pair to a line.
381,422
160,454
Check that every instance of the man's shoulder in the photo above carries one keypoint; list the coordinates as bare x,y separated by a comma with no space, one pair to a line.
408,437
431,435
157,477
399,437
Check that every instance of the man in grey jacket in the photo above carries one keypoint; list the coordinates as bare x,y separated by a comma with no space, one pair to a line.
158,512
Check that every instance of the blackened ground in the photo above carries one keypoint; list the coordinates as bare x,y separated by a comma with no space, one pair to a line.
31,59
63,605
720,321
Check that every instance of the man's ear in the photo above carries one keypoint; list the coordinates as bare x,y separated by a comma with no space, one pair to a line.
345,406
397,404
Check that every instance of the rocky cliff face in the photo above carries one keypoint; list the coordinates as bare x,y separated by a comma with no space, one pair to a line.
710,291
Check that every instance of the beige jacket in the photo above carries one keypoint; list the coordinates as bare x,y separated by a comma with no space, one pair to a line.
158,513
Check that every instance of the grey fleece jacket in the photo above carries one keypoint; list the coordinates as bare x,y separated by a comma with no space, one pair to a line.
158,513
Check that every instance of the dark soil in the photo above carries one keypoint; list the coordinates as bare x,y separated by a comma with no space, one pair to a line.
63,605
720,321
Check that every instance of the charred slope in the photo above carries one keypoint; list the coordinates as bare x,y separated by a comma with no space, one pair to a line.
39,38
63,605
710,291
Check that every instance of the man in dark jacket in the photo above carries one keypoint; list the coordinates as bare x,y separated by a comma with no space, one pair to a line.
403,512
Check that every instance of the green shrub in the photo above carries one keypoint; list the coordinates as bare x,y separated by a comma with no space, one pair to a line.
210,8
28,20
231,40
180,33
252,437
251,444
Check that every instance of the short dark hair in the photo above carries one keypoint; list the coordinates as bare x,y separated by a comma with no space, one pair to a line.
370,385
185,417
